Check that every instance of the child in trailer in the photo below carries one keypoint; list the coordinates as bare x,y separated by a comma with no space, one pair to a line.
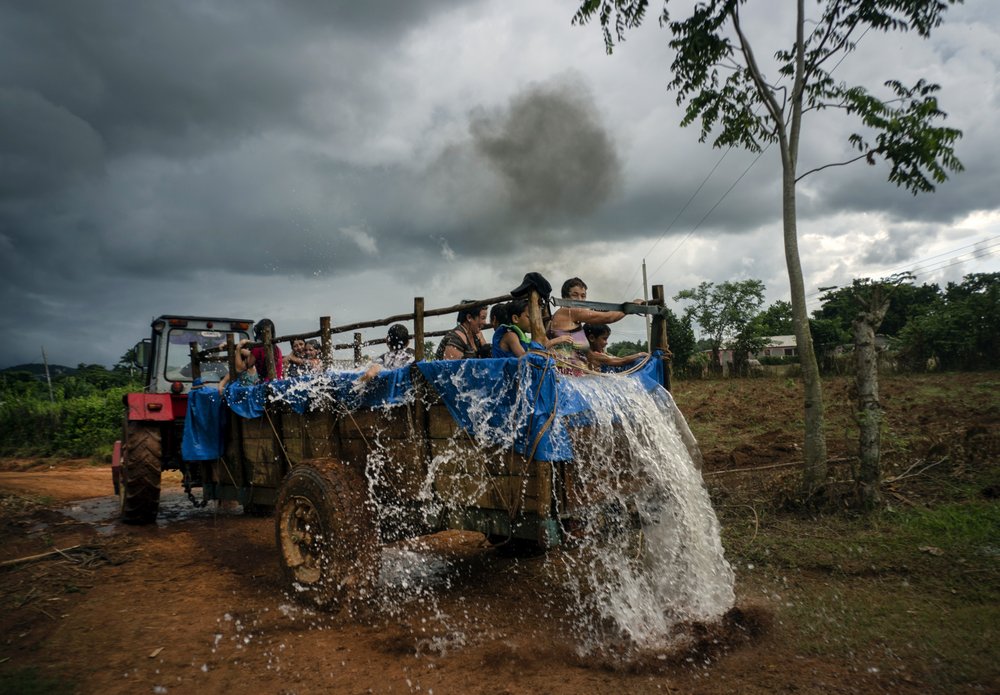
597,335
511,339
400,353
295,363
246,367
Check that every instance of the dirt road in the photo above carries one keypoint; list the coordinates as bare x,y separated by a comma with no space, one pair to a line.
194,604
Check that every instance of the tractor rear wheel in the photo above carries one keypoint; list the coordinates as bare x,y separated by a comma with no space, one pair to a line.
327,535
140,473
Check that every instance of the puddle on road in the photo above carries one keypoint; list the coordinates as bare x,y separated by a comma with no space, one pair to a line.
102,512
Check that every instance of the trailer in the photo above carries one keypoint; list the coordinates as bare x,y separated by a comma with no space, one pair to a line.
497,446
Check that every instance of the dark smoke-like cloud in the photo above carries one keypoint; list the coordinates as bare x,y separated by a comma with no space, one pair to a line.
551,150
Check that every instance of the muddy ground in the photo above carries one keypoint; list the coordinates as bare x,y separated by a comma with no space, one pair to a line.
196,604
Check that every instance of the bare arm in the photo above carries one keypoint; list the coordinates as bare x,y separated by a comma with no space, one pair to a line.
604,359
511,344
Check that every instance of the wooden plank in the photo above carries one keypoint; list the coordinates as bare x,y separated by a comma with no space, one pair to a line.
399,467
442,425
389,423
489,459
496,492
266,473
257,428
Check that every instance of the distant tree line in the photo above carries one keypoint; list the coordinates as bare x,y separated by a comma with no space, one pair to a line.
926,327
80,416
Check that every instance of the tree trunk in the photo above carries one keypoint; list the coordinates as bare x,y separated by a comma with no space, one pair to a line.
814,449
869,413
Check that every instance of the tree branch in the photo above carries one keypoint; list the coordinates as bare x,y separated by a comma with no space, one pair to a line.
835,164
755,74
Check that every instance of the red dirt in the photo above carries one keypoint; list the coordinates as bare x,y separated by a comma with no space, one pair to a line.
196,605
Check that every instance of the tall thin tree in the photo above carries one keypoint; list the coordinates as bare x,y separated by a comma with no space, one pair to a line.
716,74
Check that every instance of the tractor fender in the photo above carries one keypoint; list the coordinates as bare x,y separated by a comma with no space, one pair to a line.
155,407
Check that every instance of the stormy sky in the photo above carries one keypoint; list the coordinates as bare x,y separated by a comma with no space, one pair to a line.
299,158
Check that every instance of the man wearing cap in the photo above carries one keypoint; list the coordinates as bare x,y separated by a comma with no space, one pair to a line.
465,340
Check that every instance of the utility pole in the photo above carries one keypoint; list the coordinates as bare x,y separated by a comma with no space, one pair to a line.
45,361
645,298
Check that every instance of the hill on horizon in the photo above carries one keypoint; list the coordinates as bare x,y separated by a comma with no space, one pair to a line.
37,369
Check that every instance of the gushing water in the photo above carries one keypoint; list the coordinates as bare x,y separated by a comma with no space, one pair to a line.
653,559
641,551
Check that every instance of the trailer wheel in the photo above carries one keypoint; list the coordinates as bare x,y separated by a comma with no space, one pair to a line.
139,489
327,536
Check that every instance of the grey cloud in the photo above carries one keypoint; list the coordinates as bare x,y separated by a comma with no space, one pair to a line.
45,147
552,151
900,244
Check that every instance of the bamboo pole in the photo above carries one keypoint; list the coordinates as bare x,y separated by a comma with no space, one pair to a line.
195,361
325,341
535,316
418,328
269,353
660,339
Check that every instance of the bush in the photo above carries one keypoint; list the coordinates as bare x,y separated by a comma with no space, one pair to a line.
83,426
779,359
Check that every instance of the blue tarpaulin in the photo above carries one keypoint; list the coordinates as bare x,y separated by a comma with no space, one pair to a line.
204,425
517,403
522,398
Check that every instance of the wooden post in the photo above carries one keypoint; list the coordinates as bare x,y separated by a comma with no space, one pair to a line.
357,349
418,328
231,356
660,340
269,354
326,343
535,316
195,362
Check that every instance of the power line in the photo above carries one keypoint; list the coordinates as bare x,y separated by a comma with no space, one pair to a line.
670,226
712,209
913,266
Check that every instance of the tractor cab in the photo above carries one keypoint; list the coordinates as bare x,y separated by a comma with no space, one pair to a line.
167,354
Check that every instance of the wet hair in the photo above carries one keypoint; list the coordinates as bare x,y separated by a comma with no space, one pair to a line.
499,313
465,313
258,330
596,330
313,343
514,308
570,284
397,337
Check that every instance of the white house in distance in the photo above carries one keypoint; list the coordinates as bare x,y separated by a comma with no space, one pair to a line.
777,346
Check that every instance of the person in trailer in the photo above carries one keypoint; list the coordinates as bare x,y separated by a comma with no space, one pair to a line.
465,340
400,354
511,339
597,336
246,368
569,321
258,352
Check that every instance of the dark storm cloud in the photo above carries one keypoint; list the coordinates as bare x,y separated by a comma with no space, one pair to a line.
866,189
551,149
369,18
536,170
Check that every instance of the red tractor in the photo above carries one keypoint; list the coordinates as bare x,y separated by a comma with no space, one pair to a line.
154,418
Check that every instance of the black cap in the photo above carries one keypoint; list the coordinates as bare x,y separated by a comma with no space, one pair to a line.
533,281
